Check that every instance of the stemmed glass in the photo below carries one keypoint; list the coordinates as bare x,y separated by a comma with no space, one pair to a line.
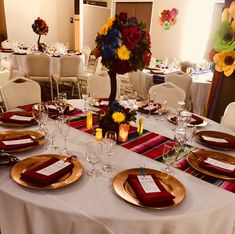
150,104
85,95
162,108
64,130
52,130
132,99
40,115
61,103
170,153
109,143
180,137
184,118
93,156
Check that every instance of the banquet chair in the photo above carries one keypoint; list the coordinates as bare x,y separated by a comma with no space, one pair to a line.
99,86
228,118
39,69
20,91
183,81
7,44
86,51
69,72
83,76
169,92
136,83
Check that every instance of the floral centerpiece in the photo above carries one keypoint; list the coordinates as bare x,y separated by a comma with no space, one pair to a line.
223,52
40,27
110,117
124,46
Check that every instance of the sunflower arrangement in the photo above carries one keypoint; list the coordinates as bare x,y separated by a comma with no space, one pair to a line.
110,117
223,52
123,44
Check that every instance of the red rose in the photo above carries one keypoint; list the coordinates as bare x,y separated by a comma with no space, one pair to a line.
123,16
147,58
166,15
131,36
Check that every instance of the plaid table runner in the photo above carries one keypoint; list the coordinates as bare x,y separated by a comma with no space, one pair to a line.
151,145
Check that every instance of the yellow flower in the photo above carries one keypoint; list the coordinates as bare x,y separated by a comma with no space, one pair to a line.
225,14
118,117
123,53
106,26
225,62
232,9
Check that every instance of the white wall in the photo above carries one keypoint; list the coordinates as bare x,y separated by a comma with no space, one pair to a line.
94,18
20,15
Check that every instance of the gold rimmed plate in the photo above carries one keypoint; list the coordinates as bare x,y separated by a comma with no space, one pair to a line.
36,136
20,113
170,183
215,134
30,162
194,159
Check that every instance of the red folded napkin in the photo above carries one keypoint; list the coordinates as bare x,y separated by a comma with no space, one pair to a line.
146,111
153,198
196,120
18,144
174,119
7,118
27,107
34,174
216,169
230,142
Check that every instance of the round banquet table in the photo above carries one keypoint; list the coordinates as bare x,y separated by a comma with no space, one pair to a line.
90,205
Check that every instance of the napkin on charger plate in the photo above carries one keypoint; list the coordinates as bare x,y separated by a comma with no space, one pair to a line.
195,119
218,142
151,198
17,117
47,172
145,108
217,168
17,142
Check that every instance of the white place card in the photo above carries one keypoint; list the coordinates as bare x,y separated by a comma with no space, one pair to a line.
53,168
18,142
148,184
104,103
220,164
215,139
21,118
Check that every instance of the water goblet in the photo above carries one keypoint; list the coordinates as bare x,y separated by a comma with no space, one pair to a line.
61,103
85,95
184,118
110,142
64,130
132,99
93,156
40,115
162,105
180,137
170,153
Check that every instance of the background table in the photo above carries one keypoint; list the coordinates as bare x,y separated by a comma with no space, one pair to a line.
91,205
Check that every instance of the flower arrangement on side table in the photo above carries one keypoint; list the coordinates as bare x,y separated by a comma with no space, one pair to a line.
124,46
40,27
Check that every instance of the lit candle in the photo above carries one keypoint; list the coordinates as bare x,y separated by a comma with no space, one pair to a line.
89,121
123,132
140,126
98,134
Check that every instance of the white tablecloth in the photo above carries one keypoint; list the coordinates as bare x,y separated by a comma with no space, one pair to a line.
91,206
199,91
19,63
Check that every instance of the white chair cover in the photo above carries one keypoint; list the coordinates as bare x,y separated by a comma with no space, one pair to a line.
69,71
228,117
20,91
39,68
137,85
183,81
99,86
169,92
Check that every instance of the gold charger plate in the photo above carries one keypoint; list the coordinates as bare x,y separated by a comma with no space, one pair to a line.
14,133
171,184
27,163
194,158
216,135
21,113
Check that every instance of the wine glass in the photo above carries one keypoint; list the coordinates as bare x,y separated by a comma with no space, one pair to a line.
40,115
151,98
184,118
93,156
85,95
61,102
162,105
64,130
132,99
170,153
180,137
110,142
52,130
